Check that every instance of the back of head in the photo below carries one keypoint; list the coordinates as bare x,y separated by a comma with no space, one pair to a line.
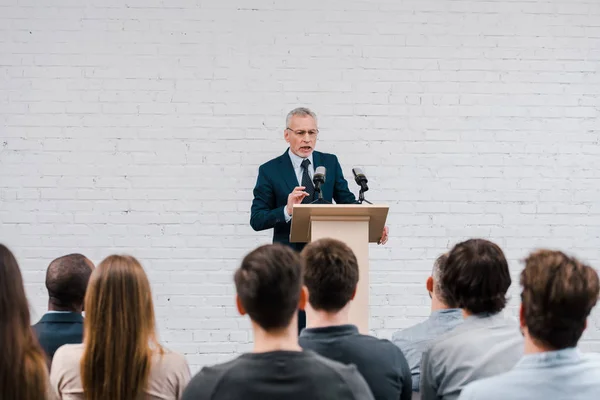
66,280
330,274
268,285
558,295
476,277
119,331
23,374
438,268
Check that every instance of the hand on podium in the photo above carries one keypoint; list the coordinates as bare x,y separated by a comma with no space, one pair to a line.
384,236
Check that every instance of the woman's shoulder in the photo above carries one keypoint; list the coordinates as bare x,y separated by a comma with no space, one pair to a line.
170,359
67,353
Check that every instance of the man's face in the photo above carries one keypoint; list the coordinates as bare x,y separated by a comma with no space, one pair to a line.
301,134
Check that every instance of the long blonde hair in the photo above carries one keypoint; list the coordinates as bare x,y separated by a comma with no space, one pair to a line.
119,331
23,364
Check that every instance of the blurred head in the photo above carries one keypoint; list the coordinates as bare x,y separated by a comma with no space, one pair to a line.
23,374
476,277
330,274
269,286
301,131
66,280
558,295
119,330
434,282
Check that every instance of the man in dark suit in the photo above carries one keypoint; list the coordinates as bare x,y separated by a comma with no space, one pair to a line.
66,280
287,180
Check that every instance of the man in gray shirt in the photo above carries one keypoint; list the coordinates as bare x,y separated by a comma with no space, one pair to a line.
558,295
331,277
415,340
487,343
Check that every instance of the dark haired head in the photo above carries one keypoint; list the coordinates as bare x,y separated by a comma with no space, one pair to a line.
558,295
330,274
268,285
66,280
476,277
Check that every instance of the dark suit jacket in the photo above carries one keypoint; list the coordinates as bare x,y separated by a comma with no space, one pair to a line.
57,329
276,180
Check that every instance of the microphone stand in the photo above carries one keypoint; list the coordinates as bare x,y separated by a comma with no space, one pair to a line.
320,199
361,197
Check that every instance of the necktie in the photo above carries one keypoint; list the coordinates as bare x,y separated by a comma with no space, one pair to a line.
307,182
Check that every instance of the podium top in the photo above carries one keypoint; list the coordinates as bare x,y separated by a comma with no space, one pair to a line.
300,231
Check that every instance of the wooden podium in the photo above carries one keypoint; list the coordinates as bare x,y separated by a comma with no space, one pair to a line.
357,225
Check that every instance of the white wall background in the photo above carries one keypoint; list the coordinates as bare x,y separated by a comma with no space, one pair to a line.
137,126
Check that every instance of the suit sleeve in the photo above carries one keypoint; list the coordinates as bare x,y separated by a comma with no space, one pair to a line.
341,193
428,379
264,214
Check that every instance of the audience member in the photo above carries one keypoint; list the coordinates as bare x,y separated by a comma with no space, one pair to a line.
269,289
120,358
331,276
23,370
558,295
66,280
414,341
476,278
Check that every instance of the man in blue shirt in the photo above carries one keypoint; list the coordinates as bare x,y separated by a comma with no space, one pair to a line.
415,340
558,295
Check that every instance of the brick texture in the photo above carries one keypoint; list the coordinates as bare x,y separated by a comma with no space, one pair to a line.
137,127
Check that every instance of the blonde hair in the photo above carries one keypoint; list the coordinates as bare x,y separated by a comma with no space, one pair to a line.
119,331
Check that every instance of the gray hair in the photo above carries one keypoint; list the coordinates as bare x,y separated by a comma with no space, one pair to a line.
436,274
301,111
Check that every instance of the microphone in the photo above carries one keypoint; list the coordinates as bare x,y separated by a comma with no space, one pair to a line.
360,178
319,179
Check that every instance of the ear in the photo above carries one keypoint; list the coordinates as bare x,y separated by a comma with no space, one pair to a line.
239,305
353,293
429,284
286,135
522,317
303,298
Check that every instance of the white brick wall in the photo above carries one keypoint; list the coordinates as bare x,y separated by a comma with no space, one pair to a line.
137,126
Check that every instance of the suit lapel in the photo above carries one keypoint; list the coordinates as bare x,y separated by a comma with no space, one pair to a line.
287,171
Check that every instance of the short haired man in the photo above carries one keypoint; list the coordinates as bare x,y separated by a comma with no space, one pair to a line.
287,180
476,279
269,289
415,340
558,295
66,281
331,276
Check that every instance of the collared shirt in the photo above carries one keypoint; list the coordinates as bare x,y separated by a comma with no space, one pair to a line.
415,340
483,345
297,164
555,375
380,362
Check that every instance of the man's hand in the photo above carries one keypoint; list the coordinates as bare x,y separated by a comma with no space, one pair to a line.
384,235
295,197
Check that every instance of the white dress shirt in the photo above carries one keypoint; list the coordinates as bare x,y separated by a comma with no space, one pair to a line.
297,164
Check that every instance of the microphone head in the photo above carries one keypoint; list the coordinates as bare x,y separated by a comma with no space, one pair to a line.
320,173
359,175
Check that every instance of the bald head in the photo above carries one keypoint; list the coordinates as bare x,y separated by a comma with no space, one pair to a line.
66,280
